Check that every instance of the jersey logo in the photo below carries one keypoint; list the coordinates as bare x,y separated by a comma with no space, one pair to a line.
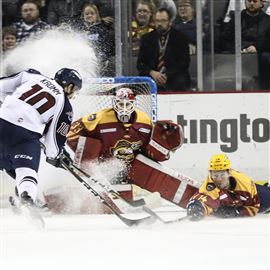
210,186
23,156
124,150
92,117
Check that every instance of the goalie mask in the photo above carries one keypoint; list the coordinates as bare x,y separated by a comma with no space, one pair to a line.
124,104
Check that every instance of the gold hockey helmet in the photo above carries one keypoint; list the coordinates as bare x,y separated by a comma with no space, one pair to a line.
219,162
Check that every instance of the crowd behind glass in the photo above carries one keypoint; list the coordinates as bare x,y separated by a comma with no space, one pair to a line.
167,24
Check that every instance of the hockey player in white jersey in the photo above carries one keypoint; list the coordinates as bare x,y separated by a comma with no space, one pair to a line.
34,106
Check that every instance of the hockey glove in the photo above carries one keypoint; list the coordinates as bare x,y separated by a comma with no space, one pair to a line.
56,162
63,157
227,212
195,210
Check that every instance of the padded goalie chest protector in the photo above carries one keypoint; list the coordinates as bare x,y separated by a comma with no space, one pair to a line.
152,176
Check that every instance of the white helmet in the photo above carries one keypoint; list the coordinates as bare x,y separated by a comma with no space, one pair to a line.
124,103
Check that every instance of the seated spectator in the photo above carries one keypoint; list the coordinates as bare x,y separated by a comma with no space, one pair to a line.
231,9
255,35
64,11
9,38
10,12
30,23
43,6
106,10
164,55
99,35
254,24
142,24
186,22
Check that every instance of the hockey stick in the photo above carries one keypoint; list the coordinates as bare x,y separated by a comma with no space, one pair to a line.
105,200
136,203
154,214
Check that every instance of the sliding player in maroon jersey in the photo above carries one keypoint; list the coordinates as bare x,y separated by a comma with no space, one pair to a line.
227,193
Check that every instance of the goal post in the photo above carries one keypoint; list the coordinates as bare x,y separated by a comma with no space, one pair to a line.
97,94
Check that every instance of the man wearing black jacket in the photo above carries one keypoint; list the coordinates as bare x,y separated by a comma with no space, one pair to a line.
164,55
255,28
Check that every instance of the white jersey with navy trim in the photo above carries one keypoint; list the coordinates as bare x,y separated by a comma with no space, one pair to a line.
38,104
9,84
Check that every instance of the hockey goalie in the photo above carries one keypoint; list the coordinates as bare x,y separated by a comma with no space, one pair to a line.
126,133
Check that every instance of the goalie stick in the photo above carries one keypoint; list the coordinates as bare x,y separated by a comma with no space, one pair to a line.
135,203
154,214
107,201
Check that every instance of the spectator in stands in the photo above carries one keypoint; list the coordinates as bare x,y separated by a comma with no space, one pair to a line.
164,55
106,10
186,22
30,24
142,24
255,25
9,38
231,8
43,6
64,11
100,37
10,12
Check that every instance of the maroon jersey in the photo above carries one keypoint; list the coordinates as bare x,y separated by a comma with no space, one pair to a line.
117,139
242,194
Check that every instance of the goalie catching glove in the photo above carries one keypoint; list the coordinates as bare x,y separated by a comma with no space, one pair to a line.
63,157
166,136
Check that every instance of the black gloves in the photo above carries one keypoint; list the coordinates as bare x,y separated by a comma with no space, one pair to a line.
195,210
226,212
62,158
56,162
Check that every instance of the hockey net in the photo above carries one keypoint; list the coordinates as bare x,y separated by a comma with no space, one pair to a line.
97,94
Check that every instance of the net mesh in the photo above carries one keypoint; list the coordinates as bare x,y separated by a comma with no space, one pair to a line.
97,95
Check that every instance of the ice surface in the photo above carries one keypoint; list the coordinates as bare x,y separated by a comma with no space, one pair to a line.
104,242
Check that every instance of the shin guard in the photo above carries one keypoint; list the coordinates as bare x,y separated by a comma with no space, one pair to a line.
171,185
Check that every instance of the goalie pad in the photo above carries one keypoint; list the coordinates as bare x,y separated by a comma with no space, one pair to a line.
85,149
166,136
154,177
